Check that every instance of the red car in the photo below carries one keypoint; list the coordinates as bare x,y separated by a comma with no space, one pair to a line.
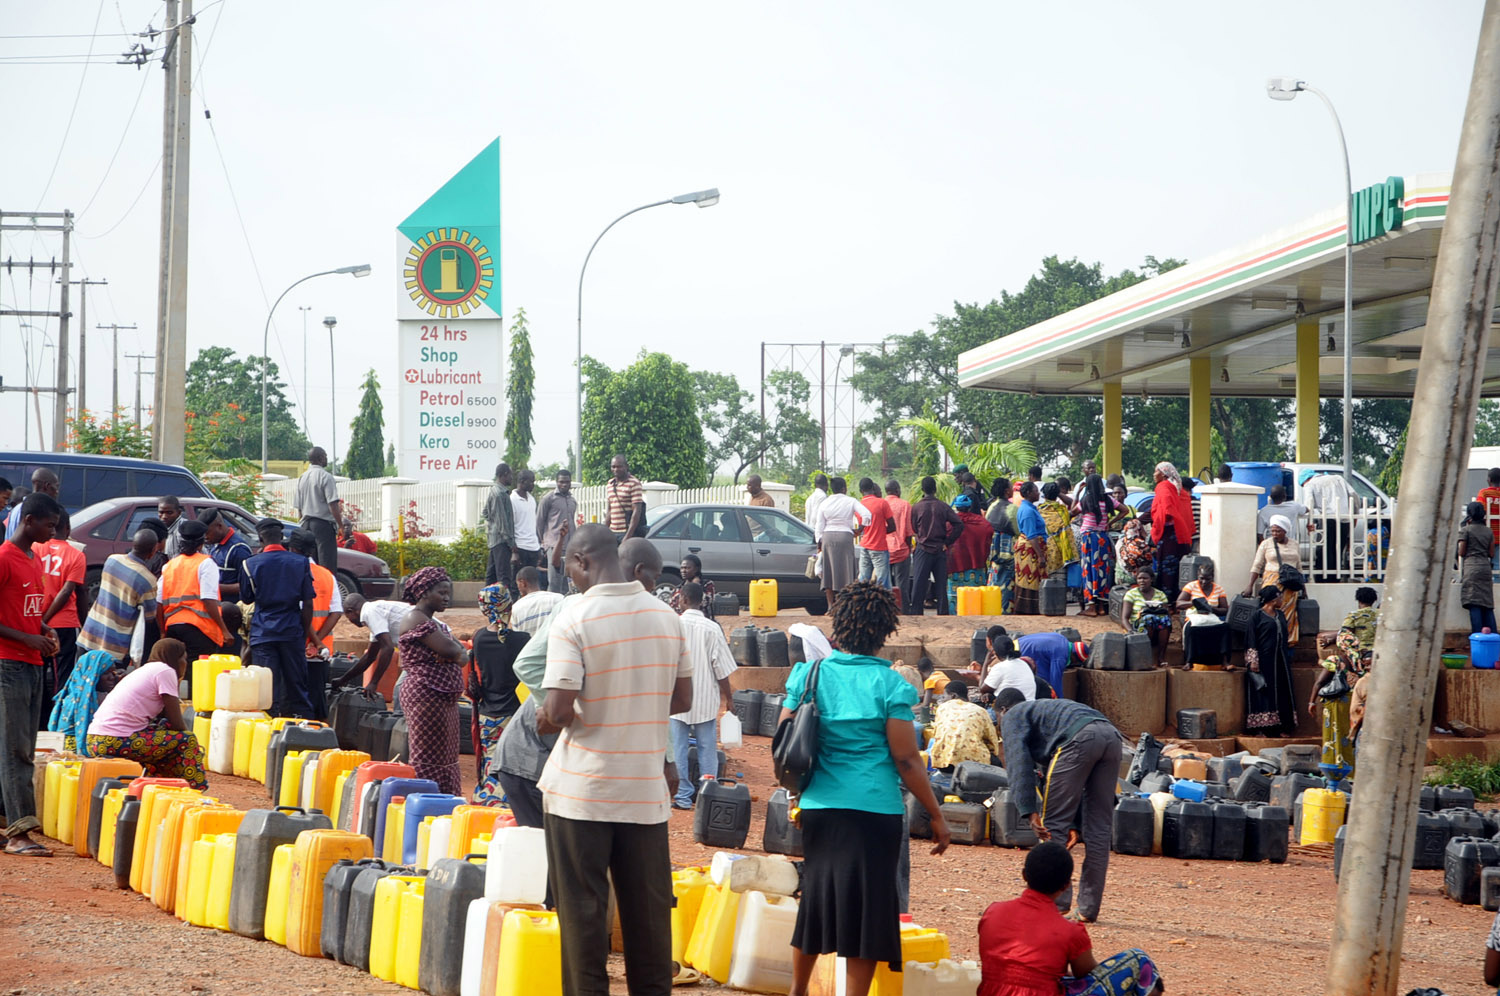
105,528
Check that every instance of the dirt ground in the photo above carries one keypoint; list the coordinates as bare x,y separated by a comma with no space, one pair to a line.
1213,927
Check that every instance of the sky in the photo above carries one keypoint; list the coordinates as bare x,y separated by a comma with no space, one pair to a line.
877,162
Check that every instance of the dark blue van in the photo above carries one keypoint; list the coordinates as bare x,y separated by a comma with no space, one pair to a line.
87,478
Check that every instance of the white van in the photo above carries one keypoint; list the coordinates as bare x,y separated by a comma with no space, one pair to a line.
1481,459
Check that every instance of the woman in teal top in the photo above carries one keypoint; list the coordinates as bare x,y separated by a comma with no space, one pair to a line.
852,808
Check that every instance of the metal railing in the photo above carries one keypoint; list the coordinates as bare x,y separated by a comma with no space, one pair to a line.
1348,547
437,506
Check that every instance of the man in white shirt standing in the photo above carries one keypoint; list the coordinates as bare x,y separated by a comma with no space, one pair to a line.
819,492
617,668
712,696
837,519
528,545
1330,502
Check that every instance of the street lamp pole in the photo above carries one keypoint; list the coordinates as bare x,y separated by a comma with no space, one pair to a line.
1287,88
702,198
333,413
304,308
362,270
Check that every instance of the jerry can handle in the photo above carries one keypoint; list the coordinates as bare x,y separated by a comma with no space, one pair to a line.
476,854
294,809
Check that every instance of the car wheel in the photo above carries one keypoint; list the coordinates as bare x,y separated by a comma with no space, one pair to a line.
348,584
91,581
666,585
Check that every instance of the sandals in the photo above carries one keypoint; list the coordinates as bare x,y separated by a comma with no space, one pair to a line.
31,849
686,976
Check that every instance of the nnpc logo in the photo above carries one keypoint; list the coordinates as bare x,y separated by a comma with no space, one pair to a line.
449,272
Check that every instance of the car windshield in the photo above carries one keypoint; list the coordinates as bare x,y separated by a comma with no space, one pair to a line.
655,515
90,512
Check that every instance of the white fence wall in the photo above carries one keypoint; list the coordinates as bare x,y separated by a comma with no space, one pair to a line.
449,507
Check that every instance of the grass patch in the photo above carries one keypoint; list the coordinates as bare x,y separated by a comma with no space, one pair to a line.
1482,778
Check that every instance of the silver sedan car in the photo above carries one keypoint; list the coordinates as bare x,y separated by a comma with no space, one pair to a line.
737,544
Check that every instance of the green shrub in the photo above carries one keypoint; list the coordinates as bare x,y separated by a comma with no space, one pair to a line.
1481,777
464,559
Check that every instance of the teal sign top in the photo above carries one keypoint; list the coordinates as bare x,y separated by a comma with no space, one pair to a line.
451,268
1377,210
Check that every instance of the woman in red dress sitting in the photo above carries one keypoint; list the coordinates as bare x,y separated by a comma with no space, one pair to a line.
1028,948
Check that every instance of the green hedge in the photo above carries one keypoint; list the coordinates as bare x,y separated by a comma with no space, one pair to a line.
464,559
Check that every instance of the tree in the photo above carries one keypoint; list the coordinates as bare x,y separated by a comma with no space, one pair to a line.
365,457
648,412
792,434
521,388
987,460
732,427
390,459
219,381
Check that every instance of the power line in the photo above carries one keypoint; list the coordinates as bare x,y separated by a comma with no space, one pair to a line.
71,114
118,145
139,194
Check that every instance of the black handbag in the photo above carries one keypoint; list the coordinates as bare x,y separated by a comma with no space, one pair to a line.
795,746
1289,577
1336,687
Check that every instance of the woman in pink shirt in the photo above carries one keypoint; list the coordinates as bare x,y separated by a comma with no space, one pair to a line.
1028,948
142,719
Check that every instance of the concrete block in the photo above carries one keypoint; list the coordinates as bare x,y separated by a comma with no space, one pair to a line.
1486,749
1303,681
906,652
1217,747
949,656
1069,690
1135,701
1221,691
1470,695
1256,744
761,679
466,592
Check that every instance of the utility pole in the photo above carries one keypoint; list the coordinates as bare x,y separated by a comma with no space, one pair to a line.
168,155
83,340
114,352
1370,917
169,435
47,221
138,357
60,399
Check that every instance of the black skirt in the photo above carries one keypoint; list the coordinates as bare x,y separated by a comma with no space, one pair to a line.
849,903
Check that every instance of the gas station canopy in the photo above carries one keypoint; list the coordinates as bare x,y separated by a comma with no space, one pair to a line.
1241,320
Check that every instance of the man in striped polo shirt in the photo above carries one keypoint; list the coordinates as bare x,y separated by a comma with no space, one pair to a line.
617,666
126,588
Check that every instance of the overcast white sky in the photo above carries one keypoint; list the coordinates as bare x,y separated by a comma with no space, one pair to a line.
878,161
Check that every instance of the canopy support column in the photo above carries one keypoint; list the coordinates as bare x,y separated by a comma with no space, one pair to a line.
1114,436
1200,377
1307,391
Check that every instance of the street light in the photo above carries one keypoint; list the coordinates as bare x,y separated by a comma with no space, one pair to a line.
333,430
702,198
1287,88
362,270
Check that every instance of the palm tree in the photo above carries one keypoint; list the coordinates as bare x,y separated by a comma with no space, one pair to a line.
986,460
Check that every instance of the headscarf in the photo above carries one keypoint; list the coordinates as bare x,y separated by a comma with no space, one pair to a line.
963,503
422,582
1283,522
815,645
1167,470
494,602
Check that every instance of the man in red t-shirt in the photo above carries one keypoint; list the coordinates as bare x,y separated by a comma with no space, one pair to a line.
874,546
1489,497
63,567
899,541
24,641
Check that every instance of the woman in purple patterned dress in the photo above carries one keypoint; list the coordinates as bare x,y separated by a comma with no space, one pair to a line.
432,661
